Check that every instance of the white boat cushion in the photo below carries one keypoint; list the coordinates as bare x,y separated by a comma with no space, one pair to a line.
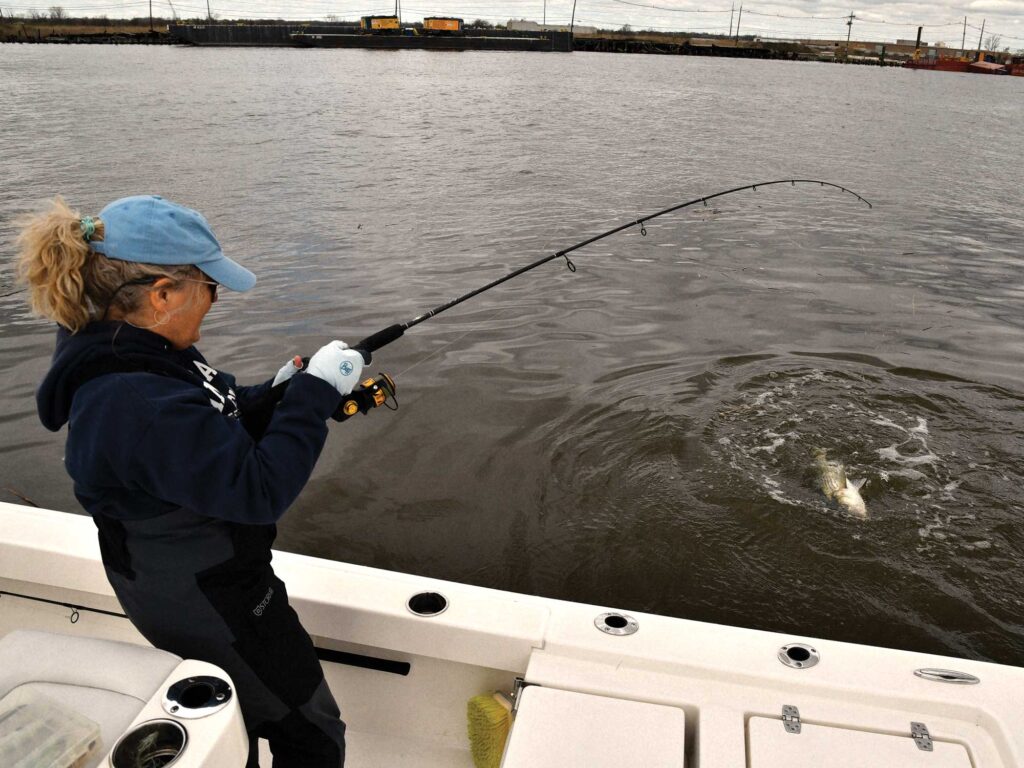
108,682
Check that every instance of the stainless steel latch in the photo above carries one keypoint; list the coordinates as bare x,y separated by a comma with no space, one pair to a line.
919,733
791,718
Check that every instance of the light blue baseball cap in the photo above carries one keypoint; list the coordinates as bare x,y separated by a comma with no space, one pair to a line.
151,230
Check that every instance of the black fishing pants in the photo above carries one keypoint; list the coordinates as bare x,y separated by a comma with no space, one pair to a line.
204,589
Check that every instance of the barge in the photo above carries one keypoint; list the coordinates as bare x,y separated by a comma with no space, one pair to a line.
601,686
979,67
550,41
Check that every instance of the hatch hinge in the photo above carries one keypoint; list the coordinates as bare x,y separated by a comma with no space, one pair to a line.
791,718
923,739
517,693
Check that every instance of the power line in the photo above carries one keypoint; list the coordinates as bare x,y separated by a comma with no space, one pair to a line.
663,8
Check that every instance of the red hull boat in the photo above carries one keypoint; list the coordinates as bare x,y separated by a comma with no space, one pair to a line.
1015,67
939,65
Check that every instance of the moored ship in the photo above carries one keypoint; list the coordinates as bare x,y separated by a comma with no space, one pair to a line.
964,64
938,65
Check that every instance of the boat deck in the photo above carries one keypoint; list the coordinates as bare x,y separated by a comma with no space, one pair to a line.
727,685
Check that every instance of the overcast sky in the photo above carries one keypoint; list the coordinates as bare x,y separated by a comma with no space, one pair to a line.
876,20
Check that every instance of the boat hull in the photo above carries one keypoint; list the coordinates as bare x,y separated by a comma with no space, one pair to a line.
430,43
959,65
938,65
402,679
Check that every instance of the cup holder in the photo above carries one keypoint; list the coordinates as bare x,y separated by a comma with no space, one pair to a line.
154,744
193,697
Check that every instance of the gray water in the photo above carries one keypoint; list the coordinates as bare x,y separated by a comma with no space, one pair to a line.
637,434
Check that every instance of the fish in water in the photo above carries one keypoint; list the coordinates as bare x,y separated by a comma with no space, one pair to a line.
837,487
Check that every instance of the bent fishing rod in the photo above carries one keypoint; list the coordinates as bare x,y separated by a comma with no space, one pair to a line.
377,391
383,337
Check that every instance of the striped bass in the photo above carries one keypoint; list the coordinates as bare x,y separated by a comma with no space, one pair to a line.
837,487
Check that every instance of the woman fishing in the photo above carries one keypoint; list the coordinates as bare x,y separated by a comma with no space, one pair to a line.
164,454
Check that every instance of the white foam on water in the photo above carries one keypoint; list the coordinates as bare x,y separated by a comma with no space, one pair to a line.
770,448
920,429
884,422
983,544
892,453
910,474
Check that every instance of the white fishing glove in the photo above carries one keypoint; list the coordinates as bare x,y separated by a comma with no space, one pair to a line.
338,365
288,370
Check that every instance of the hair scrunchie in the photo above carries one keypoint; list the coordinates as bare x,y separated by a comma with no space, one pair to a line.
88,228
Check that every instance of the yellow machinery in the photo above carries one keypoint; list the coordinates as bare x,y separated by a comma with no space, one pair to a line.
379,24
441,25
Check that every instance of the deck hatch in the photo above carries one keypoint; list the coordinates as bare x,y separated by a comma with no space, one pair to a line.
556,728
820,745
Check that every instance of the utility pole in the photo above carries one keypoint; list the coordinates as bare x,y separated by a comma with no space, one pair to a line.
150,15
738,21
963,42
732,12
849,30
209,16
545,13
572,23
980,38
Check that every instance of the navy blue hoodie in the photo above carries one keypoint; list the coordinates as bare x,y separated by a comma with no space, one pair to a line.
163,430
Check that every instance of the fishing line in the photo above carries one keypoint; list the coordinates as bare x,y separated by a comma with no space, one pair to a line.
461,336
391,333
443,347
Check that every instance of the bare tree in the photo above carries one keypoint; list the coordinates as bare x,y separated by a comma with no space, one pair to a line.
992,42
57,12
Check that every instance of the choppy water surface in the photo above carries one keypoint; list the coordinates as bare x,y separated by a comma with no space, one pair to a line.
637,434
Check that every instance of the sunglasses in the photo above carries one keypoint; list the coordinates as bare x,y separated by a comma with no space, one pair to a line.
153,278
213,285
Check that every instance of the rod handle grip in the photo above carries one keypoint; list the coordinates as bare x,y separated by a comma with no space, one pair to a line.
376,341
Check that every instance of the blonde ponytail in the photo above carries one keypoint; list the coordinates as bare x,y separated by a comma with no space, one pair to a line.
52,260
72,284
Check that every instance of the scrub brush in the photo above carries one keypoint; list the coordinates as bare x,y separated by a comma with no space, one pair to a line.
490,718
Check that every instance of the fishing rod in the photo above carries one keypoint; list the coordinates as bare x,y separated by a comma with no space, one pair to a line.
374,392
384,337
